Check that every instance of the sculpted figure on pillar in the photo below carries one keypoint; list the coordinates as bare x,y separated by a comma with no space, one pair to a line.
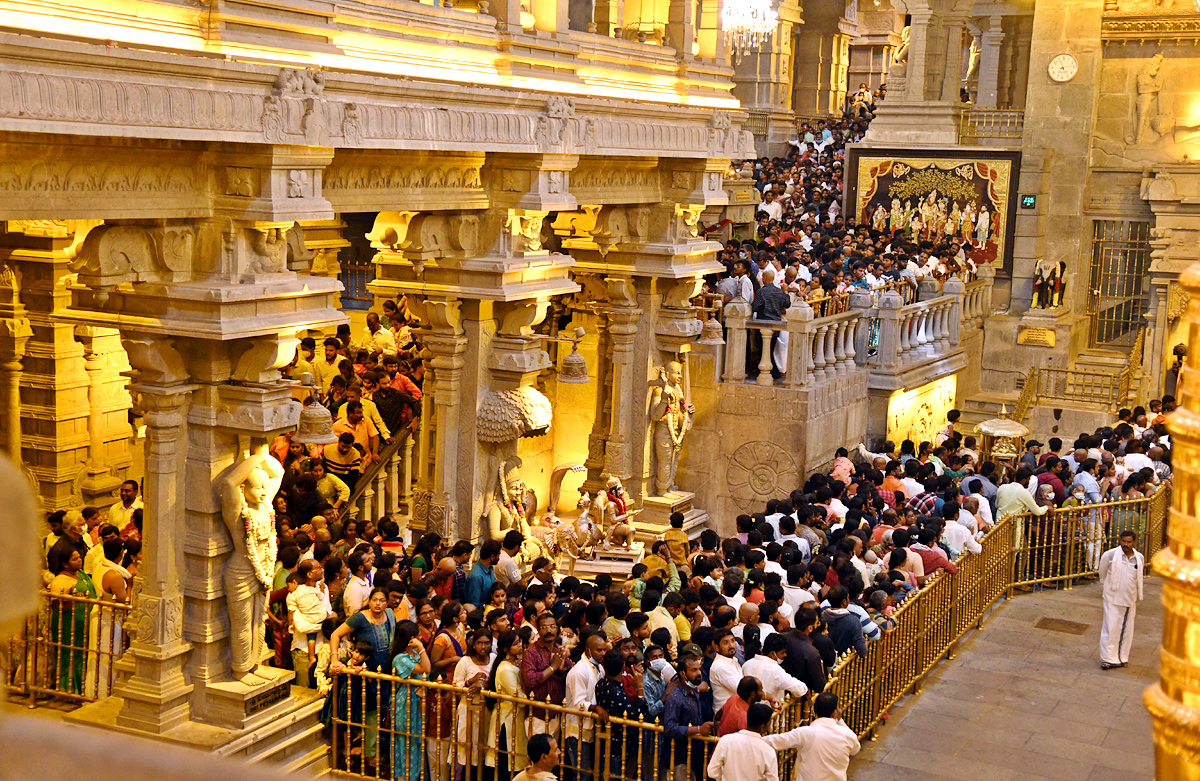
246,490
1149,124
899,67
671,417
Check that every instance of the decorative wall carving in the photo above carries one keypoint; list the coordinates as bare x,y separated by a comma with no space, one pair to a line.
73,177
758,471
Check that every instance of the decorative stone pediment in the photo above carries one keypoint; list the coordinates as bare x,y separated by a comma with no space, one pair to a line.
424,181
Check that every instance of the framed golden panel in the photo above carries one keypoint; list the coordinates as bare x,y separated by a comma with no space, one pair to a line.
931,195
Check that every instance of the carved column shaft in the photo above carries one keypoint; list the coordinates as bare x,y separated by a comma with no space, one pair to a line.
623,329
156,695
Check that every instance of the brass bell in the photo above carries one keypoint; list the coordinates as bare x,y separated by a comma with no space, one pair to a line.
316,425
574,367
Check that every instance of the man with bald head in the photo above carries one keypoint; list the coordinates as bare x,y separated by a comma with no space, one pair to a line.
770,303
1161,468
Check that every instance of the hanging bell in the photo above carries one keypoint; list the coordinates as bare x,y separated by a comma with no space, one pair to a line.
316,426
711,333
574,367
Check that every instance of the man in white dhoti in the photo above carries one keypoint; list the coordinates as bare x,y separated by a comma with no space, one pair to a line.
1121,571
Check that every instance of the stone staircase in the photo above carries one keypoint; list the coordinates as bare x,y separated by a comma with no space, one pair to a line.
983,406
287,736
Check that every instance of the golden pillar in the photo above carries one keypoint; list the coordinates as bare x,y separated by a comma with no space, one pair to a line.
1174,702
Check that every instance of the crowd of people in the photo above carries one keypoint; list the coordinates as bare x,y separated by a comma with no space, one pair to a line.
707,638
805,249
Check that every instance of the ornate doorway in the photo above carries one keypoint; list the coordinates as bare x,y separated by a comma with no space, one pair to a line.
1116,301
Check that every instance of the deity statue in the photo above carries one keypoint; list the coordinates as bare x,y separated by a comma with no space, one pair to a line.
612,512
507,506
247,489
899,68
671,416
1048,284
1145,108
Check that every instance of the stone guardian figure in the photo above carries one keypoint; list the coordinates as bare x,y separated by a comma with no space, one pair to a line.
671,417
247,490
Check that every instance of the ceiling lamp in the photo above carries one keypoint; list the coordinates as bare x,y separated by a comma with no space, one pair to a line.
747,23
316,422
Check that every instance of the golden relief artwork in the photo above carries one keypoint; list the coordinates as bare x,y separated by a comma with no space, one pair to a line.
931,199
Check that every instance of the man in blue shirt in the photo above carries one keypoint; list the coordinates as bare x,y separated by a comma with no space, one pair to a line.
687,713
480,579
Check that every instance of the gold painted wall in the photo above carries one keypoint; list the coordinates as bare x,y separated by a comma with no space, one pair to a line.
917,413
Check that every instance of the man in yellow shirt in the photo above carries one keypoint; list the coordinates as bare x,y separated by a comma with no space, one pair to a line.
366,436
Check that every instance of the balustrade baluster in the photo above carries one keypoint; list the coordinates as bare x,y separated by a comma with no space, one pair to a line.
764,362
839,346
818,353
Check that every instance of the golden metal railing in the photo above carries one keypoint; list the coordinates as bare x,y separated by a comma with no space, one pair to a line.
991,123
385,726
67,650
1064,545
1074,385
1132,369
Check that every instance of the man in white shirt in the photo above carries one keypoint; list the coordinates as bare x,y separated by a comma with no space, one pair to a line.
358,589
744,755
1135,459
955,534
772,207
766,667
1121,573
326,369
824,747
725,673
121,513
578,732
795,590
506,570
378,339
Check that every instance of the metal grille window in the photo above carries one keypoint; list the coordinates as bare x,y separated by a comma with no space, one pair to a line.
1120,258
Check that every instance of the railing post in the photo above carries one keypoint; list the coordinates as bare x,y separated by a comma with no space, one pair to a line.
764,359
927,289
799,327
954,287
404,492
888,356
737,312
861,332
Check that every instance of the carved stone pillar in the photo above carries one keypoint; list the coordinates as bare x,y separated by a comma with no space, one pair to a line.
763,83
922,106
822,59
14,335
447,343
100,347
623,319
55,384
155,693
991,41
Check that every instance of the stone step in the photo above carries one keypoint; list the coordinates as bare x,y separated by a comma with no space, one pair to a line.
289,736
314,764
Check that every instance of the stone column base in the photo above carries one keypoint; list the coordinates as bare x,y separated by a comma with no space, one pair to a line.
915,124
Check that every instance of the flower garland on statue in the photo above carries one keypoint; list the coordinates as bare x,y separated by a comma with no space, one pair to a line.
674,404
261,544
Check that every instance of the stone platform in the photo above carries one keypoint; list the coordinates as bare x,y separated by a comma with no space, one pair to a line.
286,735
1022,701
655,517
616,563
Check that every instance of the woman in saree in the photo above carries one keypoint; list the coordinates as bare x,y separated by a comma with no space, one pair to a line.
69,621
471,672
449,644
506,735
410,661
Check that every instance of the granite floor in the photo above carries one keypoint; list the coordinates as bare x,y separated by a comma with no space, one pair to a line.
1022,702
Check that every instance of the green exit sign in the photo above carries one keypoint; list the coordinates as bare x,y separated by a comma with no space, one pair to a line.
1028,201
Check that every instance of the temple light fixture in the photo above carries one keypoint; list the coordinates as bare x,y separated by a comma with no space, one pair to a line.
574,366
747,23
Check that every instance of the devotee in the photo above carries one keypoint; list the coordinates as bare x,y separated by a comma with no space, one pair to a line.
824,747
1121,574
744,755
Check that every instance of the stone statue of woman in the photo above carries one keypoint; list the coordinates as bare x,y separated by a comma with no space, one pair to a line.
671,417
247,490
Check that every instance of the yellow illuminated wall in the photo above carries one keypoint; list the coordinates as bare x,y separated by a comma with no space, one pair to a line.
919,412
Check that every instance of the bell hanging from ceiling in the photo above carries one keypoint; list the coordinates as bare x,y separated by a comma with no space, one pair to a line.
711,333
316,425
574,367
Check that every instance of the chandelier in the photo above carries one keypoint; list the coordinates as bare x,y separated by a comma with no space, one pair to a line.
748,23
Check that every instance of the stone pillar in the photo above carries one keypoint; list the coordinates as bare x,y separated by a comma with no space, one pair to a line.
623,323
822,60
991,40
100,347
922,106
763,83
447,343
55,384
14,335
155,692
